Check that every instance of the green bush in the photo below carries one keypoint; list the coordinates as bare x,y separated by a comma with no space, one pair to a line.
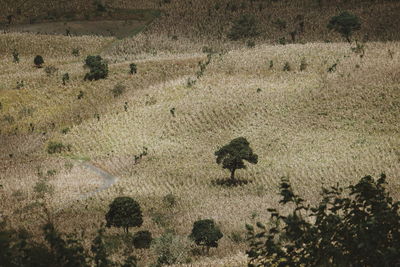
244,27
38,61
98,68
361,228
171,249
132,68
142,240
118,90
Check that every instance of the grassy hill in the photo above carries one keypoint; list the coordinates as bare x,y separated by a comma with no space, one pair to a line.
313,111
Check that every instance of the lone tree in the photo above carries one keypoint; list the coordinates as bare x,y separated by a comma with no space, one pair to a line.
345,24
206,233
38,61
231,156
244,27
98,68
124,212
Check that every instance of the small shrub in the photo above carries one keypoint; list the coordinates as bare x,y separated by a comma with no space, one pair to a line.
65,78
76,52
81,94
250,43
132,68
169,200
142,240
287,66
38,61
236,237
98,68
15,55
282,41
271,64
244,27
57,147
20,85
118,90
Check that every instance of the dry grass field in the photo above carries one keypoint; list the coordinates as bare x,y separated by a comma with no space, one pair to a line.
315,126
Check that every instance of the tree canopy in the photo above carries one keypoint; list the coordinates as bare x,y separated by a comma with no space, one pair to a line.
232,155
345,23
124,212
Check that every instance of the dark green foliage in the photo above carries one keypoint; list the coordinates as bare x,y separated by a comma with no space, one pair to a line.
124,212
231,156
244,27
358,229
38,61
98,68
345,24
132,68
142,239
206,233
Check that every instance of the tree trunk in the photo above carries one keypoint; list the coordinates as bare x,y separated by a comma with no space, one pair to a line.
233,174
126,230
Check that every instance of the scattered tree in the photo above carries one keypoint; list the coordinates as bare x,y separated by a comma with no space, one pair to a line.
345,24
124,212
231,156
206,233
38,61
361,229
98,68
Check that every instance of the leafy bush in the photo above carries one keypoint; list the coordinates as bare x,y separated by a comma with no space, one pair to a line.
244,27
206,233
142,239
38,61
15,55
98,68
345,24
287,67
65,78
360,229
124,212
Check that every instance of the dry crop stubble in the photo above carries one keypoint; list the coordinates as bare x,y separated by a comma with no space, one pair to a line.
312,126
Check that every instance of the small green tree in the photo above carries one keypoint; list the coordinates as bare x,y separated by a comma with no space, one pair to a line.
124,212
206,233
98,68
231,156
244,27
38,61
345,23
